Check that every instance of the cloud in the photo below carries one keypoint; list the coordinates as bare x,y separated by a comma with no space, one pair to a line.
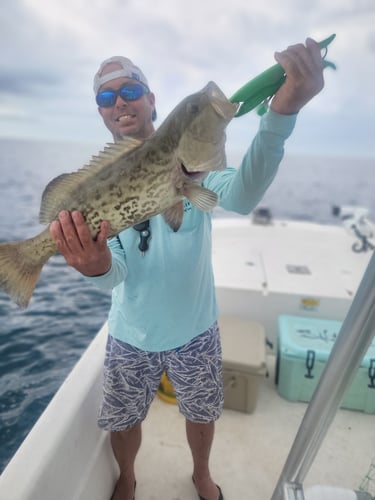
53,49
27,83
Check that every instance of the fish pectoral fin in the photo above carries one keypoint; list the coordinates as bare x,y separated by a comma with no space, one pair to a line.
201,197
173,216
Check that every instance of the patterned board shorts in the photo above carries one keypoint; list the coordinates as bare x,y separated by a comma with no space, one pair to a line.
132,377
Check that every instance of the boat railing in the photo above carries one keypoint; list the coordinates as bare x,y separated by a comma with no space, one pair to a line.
355,337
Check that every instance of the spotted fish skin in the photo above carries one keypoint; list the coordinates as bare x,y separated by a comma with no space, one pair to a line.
129,182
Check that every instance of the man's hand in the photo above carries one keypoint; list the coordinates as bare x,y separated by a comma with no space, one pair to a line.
74,241
303,67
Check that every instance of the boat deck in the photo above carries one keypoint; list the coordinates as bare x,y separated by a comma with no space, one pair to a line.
250,450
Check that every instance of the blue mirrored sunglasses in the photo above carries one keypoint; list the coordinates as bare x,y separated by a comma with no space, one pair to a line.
128,92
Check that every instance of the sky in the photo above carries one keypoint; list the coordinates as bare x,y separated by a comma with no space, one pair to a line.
52,48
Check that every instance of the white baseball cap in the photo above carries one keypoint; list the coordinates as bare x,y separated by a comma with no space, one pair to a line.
128,70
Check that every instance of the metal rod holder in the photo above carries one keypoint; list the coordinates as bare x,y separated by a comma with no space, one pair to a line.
348,351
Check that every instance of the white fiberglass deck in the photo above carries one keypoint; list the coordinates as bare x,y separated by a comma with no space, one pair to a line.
250,450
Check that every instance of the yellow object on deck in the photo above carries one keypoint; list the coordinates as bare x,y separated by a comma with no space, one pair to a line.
166,391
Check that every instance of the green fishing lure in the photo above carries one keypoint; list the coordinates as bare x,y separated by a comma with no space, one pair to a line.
256,92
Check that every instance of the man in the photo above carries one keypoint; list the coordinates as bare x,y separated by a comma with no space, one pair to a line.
163,314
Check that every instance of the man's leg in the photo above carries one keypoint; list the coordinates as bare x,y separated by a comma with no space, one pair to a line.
125,445
131,379
195,371
200,438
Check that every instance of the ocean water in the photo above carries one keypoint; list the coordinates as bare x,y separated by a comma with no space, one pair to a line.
40,345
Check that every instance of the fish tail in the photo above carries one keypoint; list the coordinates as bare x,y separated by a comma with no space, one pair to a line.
20,267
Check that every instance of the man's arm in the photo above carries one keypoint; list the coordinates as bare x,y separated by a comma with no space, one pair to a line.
241,190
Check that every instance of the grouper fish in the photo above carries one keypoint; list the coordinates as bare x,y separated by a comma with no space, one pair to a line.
129,182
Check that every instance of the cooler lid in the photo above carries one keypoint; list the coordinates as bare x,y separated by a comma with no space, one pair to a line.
298,334
243,345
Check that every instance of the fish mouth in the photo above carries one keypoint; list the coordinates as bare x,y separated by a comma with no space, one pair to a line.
194,176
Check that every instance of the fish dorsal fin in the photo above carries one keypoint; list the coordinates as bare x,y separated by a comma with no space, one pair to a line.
58,190
201,197
110,153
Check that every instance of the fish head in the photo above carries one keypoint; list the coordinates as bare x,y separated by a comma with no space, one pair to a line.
201,146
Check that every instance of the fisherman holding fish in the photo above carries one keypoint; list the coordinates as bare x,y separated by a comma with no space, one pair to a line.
164,313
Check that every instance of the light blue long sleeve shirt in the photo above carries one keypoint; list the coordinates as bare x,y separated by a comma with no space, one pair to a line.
166,297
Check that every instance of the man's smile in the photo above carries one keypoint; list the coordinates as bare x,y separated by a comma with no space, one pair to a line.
124,117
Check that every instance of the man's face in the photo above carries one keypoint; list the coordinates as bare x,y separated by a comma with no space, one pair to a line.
127,118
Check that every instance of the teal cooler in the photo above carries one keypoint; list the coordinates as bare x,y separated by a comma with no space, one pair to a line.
304,345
